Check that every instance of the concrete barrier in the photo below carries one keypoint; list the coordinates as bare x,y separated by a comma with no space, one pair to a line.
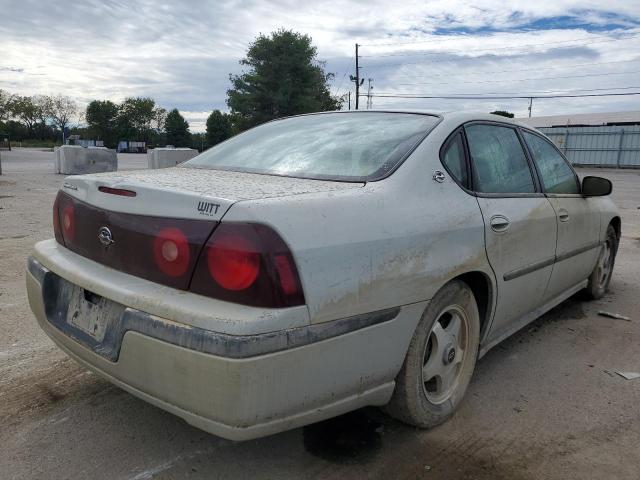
169,157
76,160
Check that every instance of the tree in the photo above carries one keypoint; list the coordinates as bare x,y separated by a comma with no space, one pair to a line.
101,119
219,127
26,111
43,108
157,136
159,119
134,118
62,110
284,78
198,141
503,113
6,101
177,129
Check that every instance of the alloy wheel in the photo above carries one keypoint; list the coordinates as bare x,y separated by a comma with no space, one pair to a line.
444,354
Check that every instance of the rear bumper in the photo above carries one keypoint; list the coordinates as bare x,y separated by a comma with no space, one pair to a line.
239,387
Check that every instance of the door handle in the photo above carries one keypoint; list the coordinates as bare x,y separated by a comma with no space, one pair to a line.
499,223
563,215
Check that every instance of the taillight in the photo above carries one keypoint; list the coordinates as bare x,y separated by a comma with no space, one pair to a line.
233,262
243,263
56,219
163,250
66,220
171,251
248,264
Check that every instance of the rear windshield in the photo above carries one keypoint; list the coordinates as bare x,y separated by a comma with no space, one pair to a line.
355,147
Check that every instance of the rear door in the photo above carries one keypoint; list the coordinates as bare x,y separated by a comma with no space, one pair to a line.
578,219
520,223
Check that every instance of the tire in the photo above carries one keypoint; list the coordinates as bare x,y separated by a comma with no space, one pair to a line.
427,402
601,276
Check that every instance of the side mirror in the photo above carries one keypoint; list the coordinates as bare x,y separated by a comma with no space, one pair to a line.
596,187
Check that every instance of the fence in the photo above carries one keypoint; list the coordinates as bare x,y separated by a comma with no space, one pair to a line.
607,146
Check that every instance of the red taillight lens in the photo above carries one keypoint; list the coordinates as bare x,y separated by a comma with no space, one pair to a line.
233,262
56,219
67,219
288,278
171,252
248,264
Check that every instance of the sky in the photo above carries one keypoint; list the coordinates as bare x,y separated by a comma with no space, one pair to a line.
182,53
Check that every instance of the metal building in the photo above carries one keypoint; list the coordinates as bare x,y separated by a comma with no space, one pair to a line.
610,139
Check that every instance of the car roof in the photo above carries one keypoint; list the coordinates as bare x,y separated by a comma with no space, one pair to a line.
461,116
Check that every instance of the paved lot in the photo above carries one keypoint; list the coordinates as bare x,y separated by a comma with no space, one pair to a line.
543,404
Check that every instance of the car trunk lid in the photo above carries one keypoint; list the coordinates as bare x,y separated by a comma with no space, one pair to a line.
154,224
189,192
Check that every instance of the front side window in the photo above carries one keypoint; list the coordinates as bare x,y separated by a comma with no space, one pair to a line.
556,175
499,162
357,146
453,159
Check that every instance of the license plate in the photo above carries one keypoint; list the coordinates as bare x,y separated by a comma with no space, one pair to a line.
91,313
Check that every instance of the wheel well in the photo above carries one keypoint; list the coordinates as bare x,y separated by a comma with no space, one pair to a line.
480,285
617,226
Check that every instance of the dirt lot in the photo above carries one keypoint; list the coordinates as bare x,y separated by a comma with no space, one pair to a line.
543,404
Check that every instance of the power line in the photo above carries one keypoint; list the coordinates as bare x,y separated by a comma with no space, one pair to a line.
501,97
343,77
528,94
515,47
579,90
341,82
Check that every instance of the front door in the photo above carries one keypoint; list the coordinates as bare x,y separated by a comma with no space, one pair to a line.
520,223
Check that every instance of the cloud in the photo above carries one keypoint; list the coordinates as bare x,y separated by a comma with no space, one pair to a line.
181,54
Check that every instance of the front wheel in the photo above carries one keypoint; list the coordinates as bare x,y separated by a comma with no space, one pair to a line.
440,360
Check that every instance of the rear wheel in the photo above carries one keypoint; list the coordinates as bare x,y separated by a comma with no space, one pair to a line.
440,360
601,275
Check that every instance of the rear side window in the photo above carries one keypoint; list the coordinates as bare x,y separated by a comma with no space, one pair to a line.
500,164
453,159
556,175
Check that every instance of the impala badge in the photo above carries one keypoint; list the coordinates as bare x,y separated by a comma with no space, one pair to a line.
105,237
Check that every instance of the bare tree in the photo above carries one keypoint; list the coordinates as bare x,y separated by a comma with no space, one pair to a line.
62,111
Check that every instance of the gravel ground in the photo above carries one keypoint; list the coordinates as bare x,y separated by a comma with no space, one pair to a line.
543,404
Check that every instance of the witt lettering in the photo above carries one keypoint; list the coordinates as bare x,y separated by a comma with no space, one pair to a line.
208,208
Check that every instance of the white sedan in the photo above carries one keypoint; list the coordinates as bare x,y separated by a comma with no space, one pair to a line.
320,263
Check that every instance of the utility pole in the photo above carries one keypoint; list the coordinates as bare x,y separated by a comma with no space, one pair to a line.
530,106
369,98
349,97
357,79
